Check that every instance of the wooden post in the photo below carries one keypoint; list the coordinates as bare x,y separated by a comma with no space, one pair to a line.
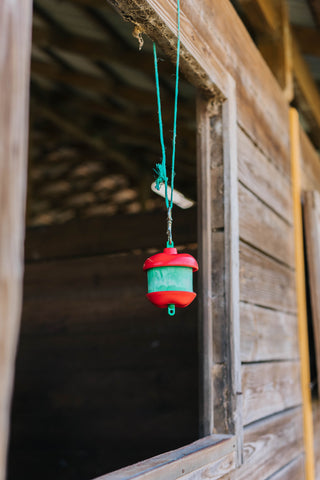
301,295
15,43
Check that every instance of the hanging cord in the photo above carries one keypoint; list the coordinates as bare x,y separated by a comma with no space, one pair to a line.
161,168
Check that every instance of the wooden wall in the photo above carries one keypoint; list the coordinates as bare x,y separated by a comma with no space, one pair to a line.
272,413
103,378
15,31
310,180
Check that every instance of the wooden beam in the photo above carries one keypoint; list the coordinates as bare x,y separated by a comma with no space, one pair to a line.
307,94
270,22
308,40
301,295
262,14
15,47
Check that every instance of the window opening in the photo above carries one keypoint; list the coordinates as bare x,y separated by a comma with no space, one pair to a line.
103,378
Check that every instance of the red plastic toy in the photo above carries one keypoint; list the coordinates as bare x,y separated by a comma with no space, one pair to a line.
170,279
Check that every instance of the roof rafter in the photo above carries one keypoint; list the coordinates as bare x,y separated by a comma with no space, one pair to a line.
308,39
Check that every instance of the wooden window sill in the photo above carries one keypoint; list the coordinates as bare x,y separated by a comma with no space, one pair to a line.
215,453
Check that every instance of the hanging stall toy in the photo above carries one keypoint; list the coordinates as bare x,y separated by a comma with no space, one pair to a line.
170,279
169,274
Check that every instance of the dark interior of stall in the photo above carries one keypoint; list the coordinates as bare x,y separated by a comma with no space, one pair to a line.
103,378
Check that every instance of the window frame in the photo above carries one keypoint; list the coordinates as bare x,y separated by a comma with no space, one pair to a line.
221,447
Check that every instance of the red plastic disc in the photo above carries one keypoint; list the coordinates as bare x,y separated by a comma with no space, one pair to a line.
178,298
171,258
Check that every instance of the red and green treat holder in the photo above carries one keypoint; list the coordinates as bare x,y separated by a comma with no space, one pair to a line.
170,279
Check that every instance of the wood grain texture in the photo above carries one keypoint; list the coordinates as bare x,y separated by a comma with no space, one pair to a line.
232,263
204,178
213,470
267,334
264,229
301,293
265,282
15,28
311,217
255,171
270,445
208,452
269,388
256,86
294,471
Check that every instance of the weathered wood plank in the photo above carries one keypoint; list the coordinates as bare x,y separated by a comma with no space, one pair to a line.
267,334
213,470
232,263
256,85
15,28
265,282
255,172
309,164
92,236
268,388
301,293
316,430
311,219
204,179
264,229
270,445
178,463
294,471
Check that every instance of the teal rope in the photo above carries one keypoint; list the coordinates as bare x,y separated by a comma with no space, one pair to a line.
161,169
175,106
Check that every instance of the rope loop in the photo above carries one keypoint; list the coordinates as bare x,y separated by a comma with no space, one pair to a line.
161,168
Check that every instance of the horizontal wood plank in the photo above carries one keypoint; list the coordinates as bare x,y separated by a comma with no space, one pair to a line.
264,229
213,470
265,282
270,445
178,463
267,334
255,172
269,388
294,471
100,235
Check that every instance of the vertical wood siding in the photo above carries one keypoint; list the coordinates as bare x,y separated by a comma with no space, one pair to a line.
15,28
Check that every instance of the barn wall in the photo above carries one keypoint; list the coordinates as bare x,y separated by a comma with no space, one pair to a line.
103,378
310,180
272,412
